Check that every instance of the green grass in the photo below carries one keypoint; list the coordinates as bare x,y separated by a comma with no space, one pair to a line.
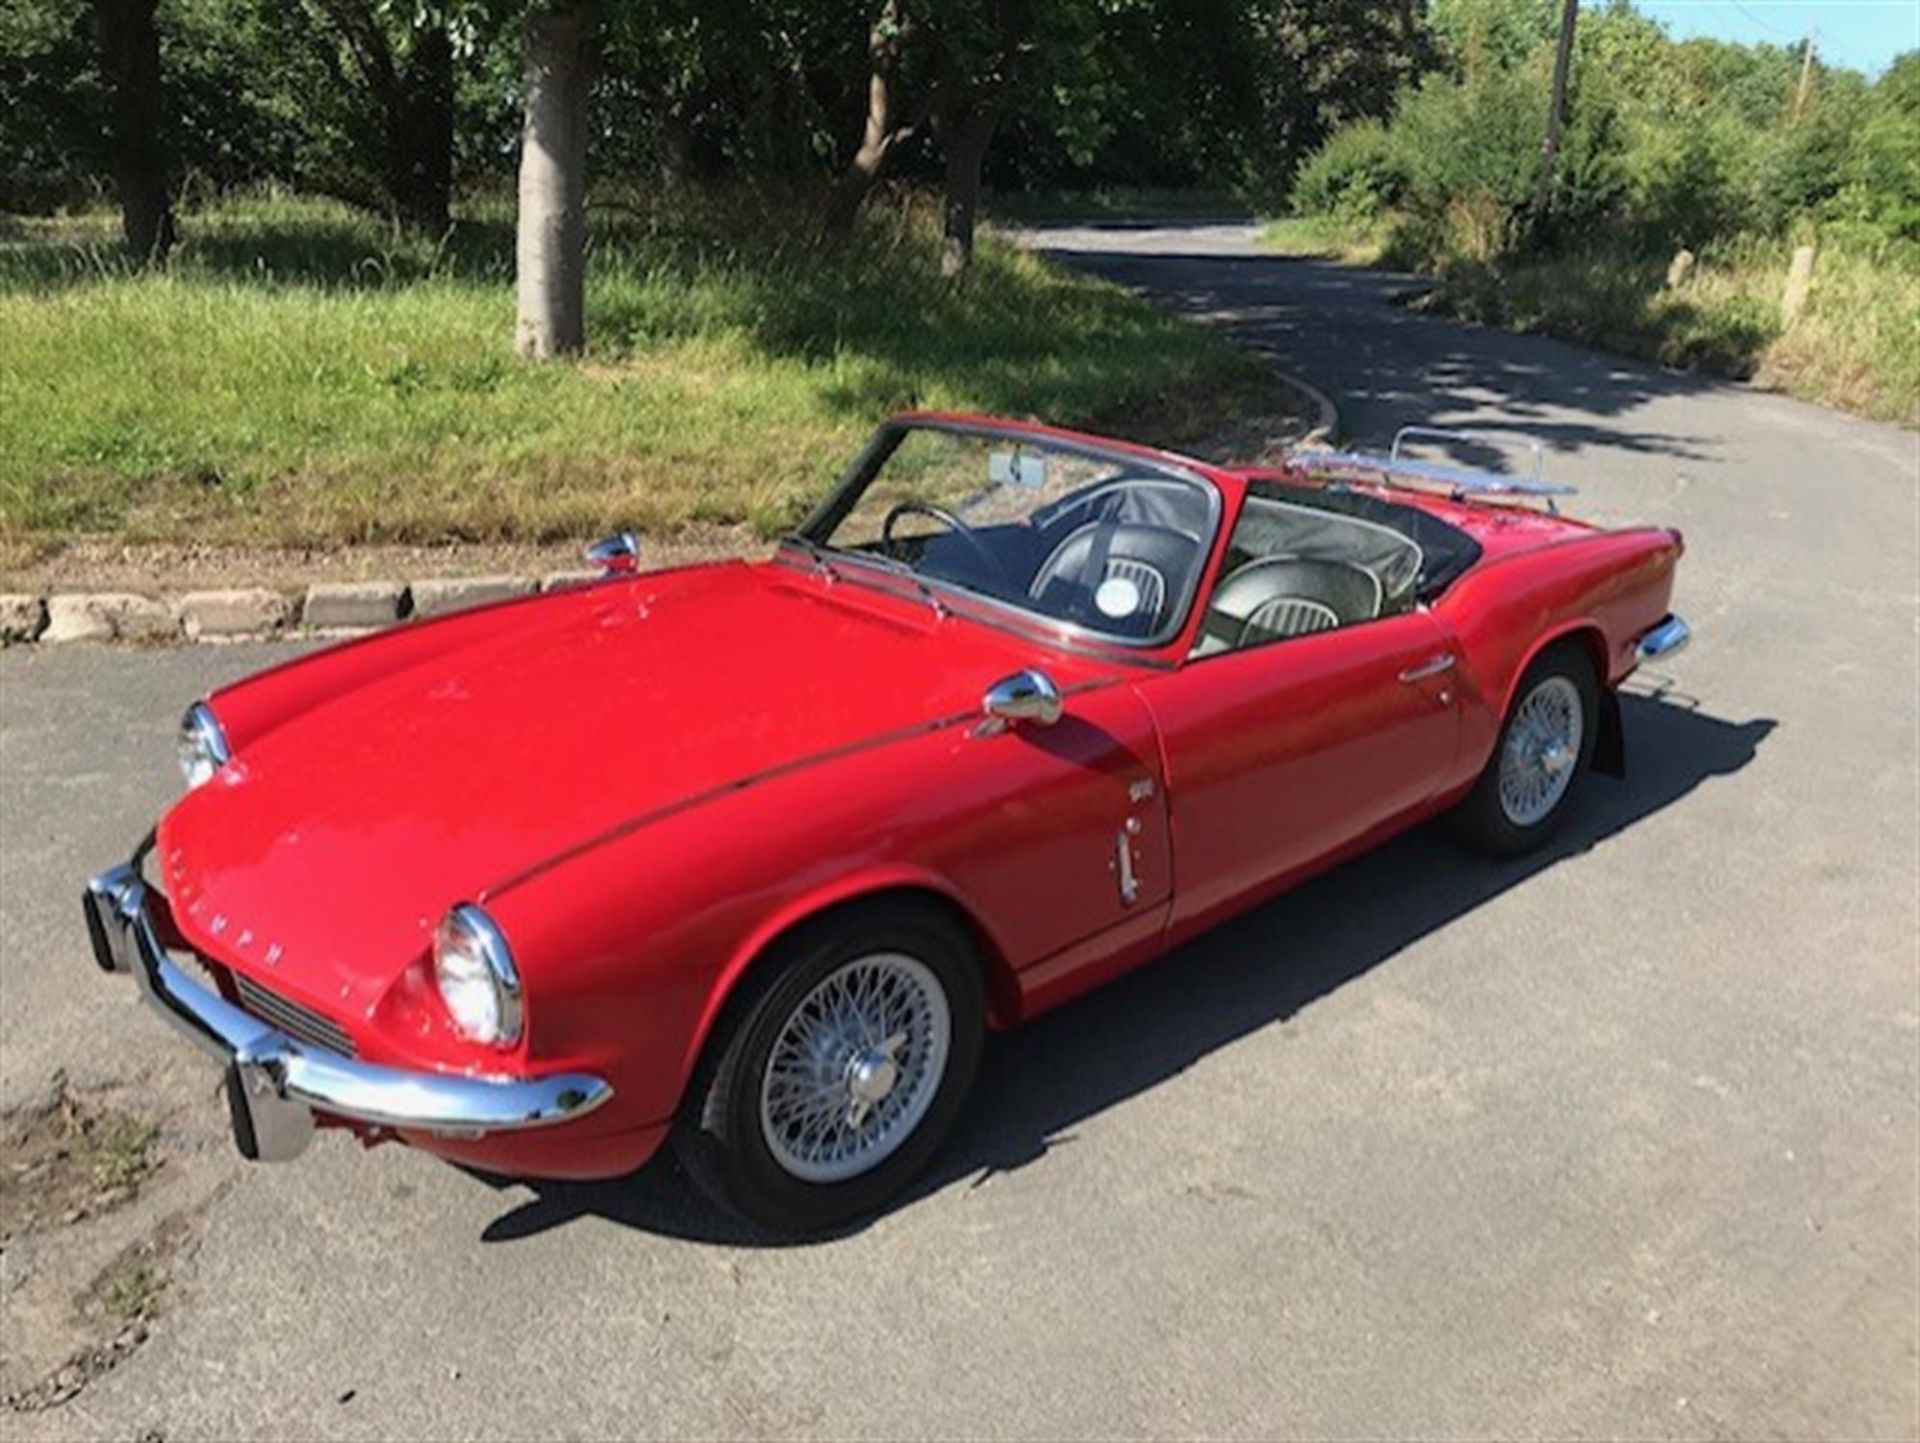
133,1294
122,1148
1856,347
300,375
1324,237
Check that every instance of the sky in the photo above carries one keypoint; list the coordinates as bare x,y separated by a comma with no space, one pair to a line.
1864,34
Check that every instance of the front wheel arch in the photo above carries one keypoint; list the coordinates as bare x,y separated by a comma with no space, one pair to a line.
722,1133
847,898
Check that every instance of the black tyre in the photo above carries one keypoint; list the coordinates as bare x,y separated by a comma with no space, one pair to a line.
838,1068
1543,752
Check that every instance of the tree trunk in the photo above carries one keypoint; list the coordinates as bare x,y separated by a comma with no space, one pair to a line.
550,240
882,131
420,133
130,61
1409,25
1556,115
965,143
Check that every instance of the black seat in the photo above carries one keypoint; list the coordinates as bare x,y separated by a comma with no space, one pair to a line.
1146,563
1286,596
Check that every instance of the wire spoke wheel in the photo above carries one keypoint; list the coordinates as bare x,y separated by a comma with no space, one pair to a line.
1541,751
855,1067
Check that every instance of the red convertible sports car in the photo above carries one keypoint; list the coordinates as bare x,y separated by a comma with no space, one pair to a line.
751,855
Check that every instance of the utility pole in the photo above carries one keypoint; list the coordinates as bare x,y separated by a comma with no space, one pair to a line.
1556,114
1806,78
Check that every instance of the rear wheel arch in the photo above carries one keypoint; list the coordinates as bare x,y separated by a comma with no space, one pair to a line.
1610,739
1542,763
1584,634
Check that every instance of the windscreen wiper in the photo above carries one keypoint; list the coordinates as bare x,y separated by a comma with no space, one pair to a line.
893,566
815,553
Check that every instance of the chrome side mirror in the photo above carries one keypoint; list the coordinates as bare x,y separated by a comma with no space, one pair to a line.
618,555
1026,696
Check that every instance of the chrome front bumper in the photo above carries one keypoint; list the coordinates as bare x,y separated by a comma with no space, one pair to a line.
1667,639
275,1083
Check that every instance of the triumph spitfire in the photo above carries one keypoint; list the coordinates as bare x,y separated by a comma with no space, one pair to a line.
750,856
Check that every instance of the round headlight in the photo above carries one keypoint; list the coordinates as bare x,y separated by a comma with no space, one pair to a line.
477,979
203,745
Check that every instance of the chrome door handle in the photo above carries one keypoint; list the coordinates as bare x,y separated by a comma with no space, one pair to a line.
1123,861
1432,666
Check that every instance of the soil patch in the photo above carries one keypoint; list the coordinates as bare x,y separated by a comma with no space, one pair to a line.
68,1159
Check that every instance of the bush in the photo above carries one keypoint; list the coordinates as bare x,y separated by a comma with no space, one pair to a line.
1686,184
1881,181
1475,142
1666,144
1355,176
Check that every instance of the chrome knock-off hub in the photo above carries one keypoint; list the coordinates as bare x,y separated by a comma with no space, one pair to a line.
870,1076
1542,748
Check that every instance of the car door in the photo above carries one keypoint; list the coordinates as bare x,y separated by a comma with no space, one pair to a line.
1280,754
1056,834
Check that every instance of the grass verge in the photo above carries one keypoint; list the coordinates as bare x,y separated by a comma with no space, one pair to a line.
299,375
1856,347
1325,238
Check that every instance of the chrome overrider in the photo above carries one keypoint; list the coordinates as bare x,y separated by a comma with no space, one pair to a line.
275,1083
1666,639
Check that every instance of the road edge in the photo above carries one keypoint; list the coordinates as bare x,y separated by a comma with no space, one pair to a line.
1325,432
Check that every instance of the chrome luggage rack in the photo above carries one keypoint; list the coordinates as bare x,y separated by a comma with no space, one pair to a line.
1459,482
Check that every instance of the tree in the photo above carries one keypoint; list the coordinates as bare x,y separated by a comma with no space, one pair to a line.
550,234
692,91
887,125
978,50
398,64
952,65
1318,65
1482,35
130,65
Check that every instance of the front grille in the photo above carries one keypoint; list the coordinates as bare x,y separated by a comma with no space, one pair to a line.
290,1017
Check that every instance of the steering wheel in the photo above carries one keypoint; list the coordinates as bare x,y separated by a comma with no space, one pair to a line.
947,519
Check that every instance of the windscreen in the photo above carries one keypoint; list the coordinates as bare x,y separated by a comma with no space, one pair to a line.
1105,542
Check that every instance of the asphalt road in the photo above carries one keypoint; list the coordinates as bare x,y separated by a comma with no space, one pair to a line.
1619,1141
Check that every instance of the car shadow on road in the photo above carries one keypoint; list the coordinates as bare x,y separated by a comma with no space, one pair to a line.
1261,969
